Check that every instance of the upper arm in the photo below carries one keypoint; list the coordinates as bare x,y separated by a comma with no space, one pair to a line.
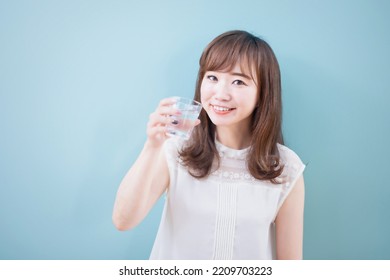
289,224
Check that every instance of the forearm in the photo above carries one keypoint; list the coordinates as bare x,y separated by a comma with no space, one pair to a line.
140,188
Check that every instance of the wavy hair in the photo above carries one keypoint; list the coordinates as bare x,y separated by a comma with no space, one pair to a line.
254,54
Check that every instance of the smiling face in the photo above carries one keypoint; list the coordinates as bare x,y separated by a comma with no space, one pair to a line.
229,97
239,86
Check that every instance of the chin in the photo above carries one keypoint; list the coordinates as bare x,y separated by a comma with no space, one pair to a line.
218,122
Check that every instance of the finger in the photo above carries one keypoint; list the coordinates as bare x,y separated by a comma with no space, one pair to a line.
156,119
166,107
157,130
185,124
167,101
197,121
154,130
168,111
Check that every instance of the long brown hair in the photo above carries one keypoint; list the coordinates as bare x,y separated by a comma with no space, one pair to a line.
253,53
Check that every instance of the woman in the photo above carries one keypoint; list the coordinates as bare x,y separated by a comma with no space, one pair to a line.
233,190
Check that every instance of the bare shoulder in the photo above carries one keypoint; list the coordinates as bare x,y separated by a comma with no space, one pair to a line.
288,156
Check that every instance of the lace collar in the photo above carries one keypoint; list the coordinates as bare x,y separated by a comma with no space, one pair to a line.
226,152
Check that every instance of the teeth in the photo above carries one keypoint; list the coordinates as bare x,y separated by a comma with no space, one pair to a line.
222,109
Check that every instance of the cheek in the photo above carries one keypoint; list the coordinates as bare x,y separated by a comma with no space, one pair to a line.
204,93
247,100
253,97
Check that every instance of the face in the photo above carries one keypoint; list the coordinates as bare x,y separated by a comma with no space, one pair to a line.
229,98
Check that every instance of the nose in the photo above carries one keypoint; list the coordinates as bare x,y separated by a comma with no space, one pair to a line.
221,92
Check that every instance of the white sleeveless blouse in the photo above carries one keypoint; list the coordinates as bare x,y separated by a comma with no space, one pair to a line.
228,215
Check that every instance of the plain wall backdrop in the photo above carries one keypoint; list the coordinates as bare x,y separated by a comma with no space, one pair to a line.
78,80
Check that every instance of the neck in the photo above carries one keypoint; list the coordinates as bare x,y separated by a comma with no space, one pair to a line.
233,138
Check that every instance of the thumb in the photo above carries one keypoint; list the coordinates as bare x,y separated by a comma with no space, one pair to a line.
197,121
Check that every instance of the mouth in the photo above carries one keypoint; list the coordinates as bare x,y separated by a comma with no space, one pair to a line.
221,109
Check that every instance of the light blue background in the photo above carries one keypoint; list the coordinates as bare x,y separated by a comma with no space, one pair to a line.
78,80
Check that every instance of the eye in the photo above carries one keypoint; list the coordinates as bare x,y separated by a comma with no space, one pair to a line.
239,83
212,78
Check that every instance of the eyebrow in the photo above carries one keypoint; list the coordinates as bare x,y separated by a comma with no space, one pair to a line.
241,75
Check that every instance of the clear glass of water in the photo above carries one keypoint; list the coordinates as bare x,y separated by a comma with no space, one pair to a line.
182,125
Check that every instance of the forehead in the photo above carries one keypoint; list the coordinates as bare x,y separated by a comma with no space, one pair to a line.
229,53
236,68
239,67
245,68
